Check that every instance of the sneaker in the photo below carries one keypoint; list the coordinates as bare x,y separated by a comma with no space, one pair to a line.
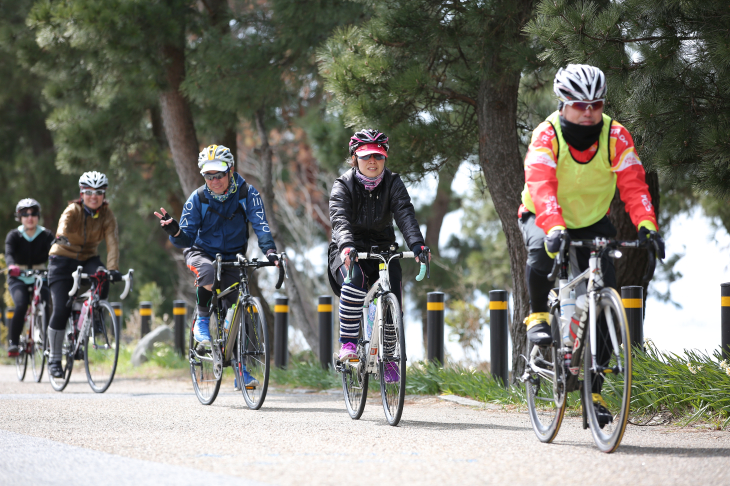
13,350
55,369
348,351
391,372
249,380
538,329
601,408
201,332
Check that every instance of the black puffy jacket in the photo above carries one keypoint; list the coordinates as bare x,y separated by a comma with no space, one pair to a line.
363,219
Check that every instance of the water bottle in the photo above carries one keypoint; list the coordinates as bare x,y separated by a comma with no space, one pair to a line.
229,318
575,320
567,309
371,317
83,315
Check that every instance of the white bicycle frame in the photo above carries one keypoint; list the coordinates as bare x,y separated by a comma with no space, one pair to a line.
373,348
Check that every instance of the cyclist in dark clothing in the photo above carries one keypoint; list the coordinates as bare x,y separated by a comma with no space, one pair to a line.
26,248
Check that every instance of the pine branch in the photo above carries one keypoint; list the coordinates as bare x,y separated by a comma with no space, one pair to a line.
453,95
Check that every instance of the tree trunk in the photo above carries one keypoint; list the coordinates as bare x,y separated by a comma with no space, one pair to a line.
631,266
501,162
178,120
301,303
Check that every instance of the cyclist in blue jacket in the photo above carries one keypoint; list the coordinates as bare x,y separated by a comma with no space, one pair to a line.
215,220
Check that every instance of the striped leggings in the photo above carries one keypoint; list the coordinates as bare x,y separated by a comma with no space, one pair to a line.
352,298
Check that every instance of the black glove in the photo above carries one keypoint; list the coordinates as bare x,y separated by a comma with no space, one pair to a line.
115,275
647,235
172,228
553,240
272,256
418,249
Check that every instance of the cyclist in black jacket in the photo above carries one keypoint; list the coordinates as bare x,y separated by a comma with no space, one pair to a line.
26,248
362,206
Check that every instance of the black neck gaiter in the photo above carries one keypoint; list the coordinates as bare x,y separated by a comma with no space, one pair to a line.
580,137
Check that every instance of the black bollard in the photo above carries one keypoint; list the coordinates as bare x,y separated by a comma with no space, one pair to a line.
435,326
145,313
281,332
725,320
324,309
179,314
498,332
633,299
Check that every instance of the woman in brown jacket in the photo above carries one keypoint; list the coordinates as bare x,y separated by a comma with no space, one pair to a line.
83,225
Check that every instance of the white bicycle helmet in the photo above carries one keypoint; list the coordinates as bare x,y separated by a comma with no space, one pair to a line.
215,157
26,203
94,180
579,82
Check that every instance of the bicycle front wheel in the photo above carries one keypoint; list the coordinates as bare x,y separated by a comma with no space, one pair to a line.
253,354
546,392
67,358
205,384
355,383
393,364
21,360
101,347
38,357
607,386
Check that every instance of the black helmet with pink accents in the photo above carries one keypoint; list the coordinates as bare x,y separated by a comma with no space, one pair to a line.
366,137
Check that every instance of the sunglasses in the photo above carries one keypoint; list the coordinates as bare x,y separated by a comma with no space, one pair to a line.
584,105
28,214
93,192
215,176
367,157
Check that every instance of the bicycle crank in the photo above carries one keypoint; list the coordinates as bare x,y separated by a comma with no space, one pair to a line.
217,361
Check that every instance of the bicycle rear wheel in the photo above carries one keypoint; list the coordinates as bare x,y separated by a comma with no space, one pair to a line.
546,395
355,384
21,360
67,358
253,355
393,364
38,356
101,347
205,383
608,381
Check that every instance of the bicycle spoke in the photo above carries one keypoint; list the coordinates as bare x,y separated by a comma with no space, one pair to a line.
393,365
101,347
205,384
253,354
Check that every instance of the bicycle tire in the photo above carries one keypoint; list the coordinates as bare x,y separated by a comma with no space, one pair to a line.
101,347
67,358
393,391
38,355
616,387
355,384
253,354
205,384
21,360
546,421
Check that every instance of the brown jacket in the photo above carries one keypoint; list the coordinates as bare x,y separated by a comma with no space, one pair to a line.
84,233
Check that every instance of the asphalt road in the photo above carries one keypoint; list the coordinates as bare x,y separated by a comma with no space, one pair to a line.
156,432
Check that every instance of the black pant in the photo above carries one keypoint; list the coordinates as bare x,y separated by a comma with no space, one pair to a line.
22,293
61,283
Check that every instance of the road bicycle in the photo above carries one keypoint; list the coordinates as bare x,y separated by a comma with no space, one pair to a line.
31,341
239,337
92,332
381,349
590,349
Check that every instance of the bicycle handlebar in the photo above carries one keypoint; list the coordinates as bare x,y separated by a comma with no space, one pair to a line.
425,266
78,275
241,261
604,244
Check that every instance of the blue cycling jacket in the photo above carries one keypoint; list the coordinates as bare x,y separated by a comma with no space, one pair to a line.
216,227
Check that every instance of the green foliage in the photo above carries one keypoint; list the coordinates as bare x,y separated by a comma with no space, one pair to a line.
667,64
151,292
307,374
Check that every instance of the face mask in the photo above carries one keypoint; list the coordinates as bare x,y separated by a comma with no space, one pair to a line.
580,137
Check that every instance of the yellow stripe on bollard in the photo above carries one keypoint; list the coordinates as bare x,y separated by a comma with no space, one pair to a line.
435,306
498,305
117,312
145,312
633,303
10,314
178,311
324,308
725,302
281,308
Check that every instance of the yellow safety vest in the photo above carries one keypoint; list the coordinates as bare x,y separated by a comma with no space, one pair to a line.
585,190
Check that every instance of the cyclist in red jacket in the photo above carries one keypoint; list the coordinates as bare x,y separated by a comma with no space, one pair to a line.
577,159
